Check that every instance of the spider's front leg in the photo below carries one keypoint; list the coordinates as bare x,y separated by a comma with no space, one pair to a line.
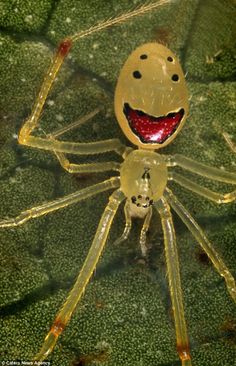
199,235
212,173
61,202
174,281
86,272
128,225
142,240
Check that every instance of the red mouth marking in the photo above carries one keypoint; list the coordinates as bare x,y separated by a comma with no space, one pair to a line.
151,129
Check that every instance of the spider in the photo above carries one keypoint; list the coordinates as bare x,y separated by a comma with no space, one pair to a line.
151,106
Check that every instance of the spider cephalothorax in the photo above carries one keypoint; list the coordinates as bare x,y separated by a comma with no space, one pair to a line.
142,201
143,177
151,99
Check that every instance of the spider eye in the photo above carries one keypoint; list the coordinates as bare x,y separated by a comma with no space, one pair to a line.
137,74
170,59
143,57
133,199
175,77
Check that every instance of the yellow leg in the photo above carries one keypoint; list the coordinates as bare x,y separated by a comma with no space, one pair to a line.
78,148
201,169
64,47
128,224
122,18
229,141
174,282
142,240
61,202
73,125
86,272
80,168
202,191
31,123
86,168
203,241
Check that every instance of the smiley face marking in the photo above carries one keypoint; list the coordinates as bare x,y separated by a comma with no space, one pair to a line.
149,128
151,99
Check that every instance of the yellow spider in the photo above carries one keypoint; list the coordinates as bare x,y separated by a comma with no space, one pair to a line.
151,106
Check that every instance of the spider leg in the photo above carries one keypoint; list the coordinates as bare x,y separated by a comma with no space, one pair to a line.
142,240
73,125
173,273
202,191
25,137
85,274
81,168
128,224
61,202
64,47
201,169
229,141
86,168
203,241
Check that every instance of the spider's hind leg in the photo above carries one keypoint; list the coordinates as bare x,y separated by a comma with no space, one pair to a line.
229,141
25,135
73,125
80,168
86,168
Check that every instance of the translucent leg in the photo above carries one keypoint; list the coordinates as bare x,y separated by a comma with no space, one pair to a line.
128,224
86,168
122,18
142,240
78,148
31,123
64,47
201,169
229,141
60,202
80,168
203,241
202,191
73,125
174,282
86,272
